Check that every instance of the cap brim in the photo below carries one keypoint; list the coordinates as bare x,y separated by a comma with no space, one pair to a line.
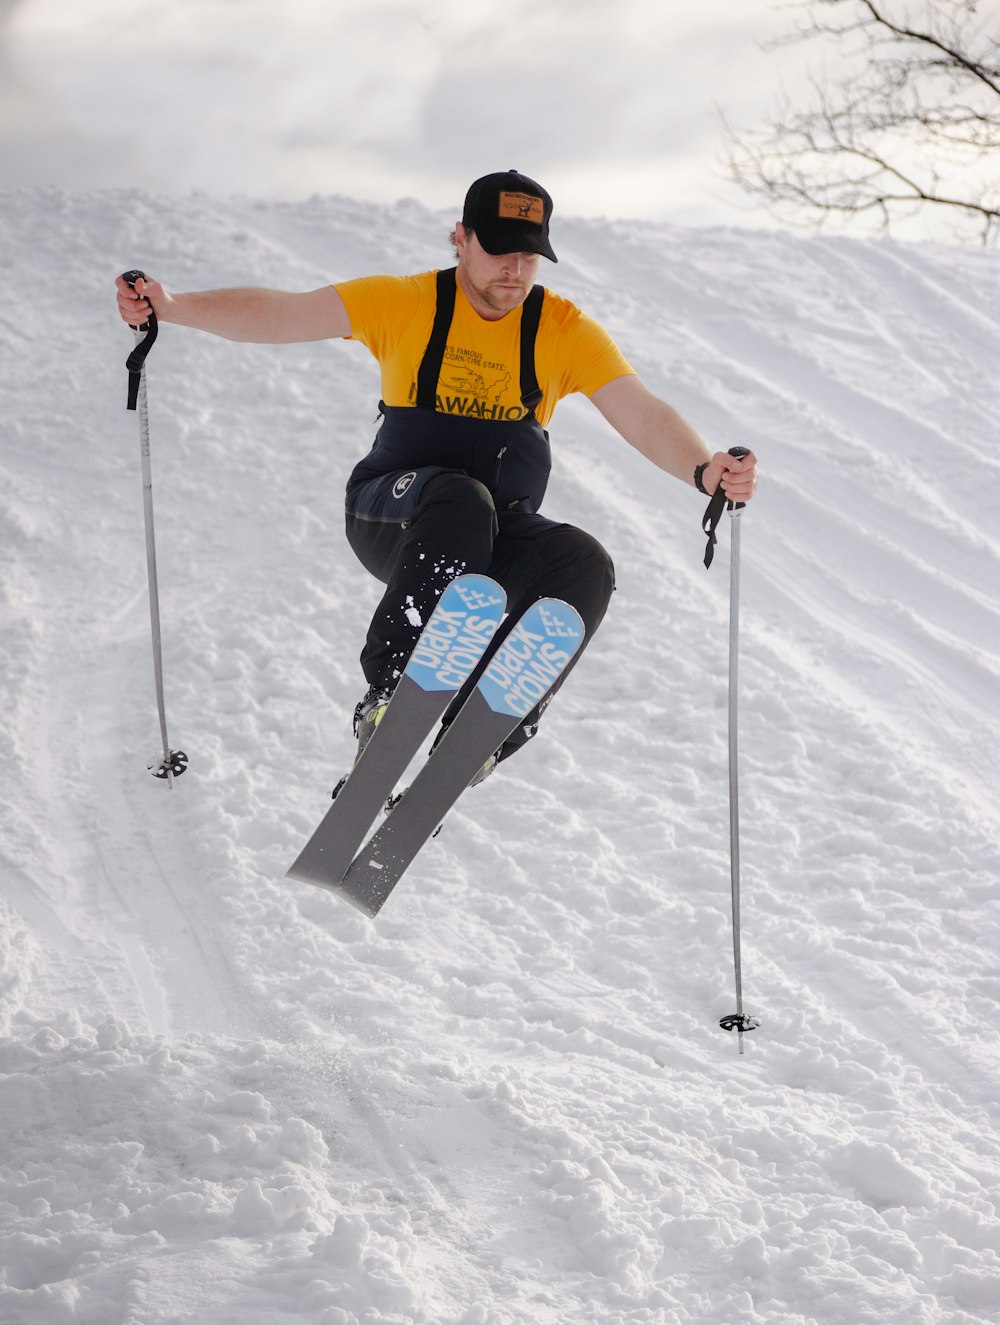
497,245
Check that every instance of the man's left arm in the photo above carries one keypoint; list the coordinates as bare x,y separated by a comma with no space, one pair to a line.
656,430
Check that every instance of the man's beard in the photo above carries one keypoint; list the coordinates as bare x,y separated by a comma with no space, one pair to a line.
502,300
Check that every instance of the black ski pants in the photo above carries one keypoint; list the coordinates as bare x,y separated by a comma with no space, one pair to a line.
454,527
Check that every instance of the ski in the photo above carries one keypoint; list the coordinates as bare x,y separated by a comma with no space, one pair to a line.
452,642
519,675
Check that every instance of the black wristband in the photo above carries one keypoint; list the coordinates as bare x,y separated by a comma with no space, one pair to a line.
698,471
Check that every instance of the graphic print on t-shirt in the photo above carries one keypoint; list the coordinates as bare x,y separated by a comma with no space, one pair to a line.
473,387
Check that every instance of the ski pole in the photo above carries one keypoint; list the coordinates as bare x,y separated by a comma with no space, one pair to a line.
738,1020
170,763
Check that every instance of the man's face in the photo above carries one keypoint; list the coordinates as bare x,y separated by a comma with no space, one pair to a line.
494,285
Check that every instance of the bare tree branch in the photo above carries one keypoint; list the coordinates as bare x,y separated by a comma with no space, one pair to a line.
924,103
953,55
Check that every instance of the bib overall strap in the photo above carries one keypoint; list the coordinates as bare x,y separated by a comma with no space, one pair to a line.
531,312
430,366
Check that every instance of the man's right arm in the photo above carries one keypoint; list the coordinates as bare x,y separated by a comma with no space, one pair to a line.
260,316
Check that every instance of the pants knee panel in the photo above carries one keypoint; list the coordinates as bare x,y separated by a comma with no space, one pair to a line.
590,564
459,491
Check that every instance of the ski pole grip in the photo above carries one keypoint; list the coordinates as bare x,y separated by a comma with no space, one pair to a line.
718,503
738,452
130,278
137,358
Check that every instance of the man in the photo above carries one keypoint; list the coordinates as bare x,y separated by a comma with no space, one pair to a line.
473,361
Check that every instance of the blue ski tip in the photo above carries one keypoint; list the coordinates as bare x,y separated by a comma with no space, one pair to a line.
532,658
457,634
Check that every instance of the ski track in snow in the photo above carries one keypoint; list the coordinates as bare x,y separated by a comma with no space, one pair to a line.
228,1098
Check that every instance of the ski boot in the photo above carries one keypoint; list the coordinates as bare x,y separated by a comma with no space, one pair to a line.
367,716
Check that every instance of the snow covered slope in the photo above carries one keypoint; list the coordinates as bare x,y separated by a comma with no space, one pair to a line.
230,1098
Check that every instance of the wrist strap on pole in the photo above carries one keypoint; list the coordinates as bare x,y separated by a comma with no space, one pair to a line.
137,358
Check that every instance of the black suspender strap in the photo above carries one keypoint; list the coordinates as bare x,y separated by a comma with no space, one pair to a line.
531,312
430,365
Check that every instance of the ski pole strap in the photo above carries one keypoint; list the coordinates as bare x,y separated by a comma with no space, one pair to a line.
137,358
713,511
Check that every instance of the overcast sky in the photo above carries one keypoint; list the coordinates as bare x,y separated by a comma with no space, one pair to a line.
609,103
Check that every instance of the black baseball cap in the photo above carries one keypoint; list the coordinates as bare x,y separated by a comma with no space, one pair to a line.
510,214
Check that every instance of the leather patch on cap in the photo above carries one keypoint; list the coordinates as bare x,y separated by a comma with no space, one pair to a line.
521,207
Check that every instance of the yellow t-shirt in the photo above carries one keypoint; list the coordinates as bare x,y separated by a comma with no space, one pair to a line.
480,374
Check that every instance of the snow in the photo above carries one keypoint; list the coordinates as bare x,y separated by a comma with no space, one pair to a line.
226,1097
